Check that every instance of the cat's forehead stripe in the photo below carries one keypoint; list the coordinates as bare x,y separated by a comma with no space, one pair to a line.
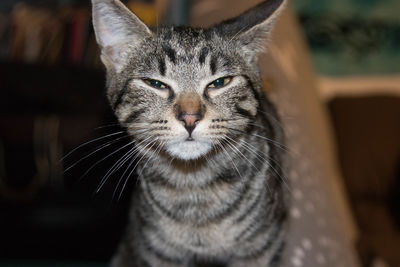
213,64
168,35
208,34
203,55
161,66
171,53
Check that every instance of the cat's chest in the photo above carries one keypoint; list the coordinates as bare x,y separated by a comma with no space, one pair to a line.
210,238
193,204
198,219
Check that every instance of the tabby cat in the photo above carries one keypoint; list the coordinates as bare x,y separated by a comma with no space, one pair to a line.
209,142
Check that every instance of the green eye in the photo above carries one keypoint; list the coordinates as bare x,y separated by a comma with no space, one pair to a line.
220,82
156,84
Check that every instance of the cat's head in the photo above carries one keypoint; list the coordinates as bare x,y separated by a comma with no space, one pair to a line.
178,89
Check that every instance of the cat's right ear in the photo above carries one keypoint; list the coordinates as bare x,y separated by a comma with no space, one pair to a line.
252,28
117,30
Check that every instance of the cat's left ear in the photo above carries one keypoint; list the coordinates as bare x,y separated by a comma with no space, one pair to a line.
117,30
253,27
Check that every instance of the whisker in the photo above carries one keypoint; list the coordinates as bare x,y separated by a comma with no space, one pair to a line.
254,151
243,156
229,156
263,127
157,151
118,165
89,142
109,155
257,125
279,145
101,147
209,161
133,169
239,152
271,117
107,126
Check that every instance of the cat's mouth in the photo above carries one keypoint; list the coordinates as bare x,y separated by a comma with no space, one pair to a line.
189,149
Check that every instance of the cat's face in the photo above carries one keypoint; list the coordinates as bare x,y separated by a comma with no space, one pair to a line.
186,95
179,90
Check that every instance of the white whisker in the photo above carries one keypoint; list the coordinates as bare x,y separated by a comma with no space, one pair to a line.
89,142
231,160
267,160
118,165
101,147
277,144
134,167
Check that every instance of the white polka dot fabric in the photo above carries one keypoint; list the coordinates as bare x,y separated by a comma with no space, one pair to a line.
315,236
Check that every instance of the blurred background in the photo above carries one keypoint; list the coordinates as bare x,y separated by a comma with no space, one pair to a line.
52,100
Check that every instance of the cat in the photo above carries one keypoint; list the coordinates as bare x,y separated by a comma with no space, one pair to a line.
209,141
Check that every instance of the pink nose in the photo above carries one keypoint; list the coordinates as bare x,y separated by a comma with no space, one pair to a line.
190,121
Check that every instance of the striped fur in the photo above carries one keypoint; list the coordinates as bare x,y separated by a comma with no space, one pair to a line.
210,157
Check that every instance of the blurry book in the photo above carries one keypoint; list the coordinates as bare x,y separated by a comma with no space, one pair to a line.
4,35
149,11
78,35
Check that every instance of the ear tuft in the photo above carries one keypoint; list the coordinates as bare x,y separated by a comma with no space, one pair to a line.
117,29
253,27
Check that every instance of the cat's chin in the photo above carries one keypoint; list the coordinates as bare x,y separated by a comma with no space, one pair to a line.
188,150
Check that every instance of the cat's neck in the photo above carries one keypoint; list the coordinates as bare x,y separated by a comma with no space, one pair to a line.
185,173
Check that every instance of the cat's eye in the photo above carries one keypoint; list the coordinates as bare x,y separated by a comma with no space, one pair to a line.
219,83
156,84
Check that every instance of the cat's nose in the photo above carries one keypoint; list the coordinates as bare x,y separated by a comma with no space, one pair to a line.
189,110
190,120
